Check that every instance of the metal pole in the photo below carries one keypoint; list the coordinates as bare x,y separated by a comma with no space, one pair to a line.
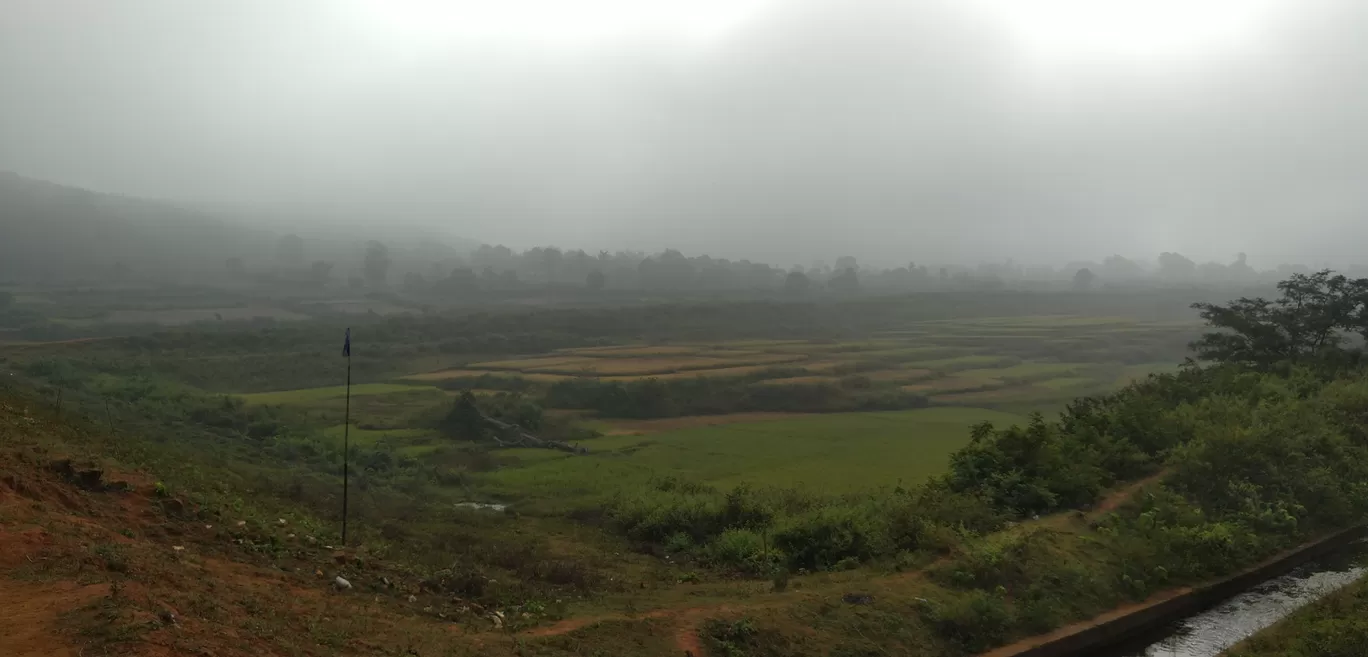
346,444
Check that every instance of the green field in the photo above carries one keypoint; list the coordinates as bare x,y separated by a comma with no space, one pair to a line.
1043,360
823,453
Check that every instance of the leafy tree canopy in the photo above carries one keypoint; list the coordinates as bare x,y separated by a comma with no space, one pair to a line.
1312,321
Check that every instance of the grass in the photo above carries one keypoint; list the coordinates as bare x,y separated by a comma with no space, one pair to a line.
359,436
830,453
963,363
314,395
1068,382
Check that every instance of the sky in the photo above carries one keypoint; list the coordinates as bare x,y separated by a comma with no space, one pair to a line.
785,131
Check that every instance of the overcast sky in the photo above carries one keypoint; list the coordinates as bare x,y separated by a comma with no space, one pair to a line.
784,131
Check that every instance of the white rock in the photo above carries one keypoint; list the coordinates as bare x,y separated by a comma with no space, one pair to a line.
413,598
342,583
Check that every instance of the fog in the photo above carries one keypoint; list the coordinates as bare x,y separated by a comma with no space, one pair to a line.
778,131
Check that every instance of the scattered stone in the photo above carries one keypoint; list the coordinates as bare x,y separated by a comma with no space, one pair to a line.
857,598
1035,517
208,526
342,584
178,548
281,522
498,622
318,573
386,582
413,599
427,610
167,617
290,537
242,523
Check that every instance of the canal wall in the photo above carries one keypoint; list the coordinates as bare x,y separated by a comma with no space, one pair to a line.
1084,639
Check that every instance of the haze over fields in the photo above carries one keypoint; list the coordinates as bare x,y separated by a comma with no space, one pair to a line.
781,131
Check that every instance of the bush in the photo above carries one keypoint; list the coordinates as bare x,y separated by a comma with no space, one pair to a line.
741,549
975,621
822,538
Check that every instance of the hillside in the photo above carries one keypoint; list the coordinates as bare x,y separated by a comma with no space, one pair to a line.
99,560
57,231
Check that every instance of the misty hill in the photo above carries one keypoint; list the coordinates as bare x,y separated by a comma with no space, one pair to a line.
56,231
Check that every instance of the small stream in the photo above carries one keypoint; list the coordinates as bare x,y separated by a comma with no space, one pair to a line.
1209,633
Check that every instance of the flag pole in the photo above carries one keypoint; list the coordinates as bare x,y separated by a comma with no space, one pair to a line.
346,438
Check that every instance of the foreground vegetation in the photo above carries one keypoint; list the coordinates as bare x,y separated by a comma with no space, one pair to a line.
852,534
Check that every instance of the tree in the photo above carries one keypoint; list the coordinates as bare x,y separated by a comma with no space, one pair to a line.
461,279
847,262
1176,267
463,421
1240,269
377,263
1309,322
1083,278
290,251
1118,268
846,282
595,280
797,282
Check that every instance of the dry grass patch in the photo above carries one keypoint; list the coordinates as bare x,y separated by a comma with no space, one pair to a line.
689,374
533,364
799,380
826,365
630,351
451,375
899,375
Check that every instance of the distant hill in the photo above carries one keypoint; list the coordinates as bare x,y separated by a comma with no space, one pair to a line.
51,230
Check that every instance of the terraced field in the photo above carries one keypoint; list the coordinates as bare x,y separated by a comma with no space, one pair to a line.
989,361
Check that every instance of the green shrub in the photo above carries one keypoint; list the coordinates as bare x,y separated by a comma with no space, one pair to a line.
819,539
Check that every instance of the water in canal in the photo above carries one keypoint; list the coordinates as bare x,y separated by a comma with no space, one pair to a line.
1208,633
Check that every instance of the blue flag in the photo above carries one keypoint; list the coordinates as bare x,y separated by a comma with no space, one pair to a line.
346,346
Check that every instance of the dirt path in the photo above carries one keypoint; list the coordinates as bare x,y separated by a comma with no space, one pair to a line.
687,620
1119,496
